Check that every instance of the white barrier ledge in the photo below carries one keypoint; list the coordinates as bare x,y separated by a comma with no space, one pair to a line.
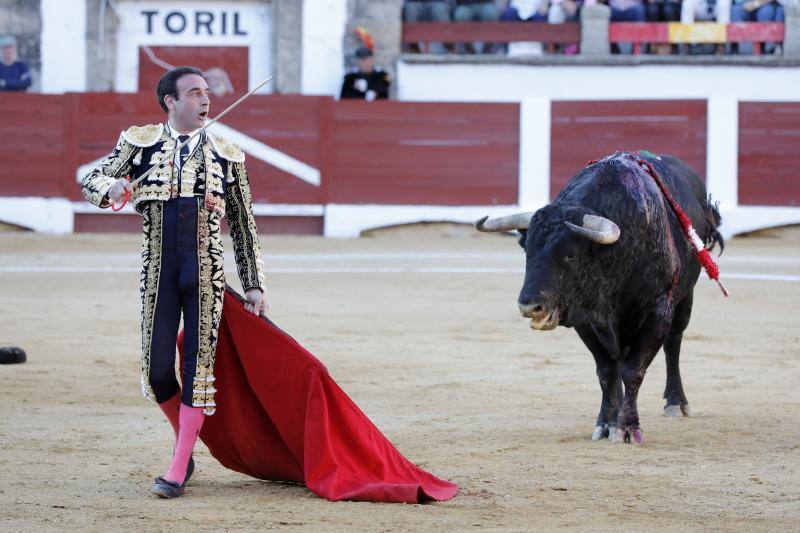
348,221
43,215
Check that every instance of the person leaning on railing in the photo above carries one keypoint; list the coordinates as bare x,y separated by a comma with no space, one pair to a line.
551,11
706,11
428,11
15,75
475,11
756,11
626,11
663,11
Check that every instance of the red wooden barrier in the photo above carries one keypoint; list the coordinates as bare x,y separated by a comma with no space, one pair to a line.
640,33
769,137
583,131
30,151
423,153
494,32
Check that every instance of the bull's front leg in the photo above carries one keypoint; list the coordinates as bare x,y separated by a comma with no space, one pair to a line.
634,367
609,377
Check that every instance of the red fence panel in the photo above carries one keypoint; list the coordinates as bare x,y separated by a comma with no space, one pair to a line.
769,153
424,153
583,131
501,32
290,124
30,151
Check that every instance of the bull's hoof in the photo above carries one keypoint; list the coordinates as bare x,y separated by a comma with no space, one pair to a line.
600,432
677,411
632,435
10,355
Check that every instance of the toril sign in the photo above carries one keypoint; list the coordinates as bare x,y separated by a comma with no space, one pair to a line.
193,21
199,23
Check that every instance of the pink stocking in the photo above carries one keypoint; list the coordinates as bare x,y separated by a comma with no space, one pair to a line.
170,409
191,420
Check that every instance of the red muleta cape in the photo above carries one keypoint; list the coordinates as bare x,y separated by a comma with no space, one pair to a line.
281,417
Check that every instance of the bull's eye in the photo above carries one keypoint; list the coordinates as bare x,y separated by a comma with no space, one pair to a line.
569,258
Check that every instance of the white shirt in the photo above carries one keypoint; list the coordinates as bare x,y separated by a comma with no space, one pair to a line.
186,186
192,144
526,8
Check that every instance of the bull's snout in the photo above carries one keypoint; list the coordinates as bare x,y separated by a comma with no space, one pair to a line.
541,316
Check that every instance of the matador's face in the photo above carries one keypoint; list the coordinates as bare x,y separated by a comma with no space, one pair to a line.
190,110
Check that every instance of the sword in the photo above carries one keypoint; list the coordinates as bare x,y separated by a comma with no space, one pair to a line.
171,155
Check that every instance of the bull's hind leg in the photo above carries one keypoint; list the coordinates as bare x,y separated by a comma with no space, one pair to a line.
677,404
609,378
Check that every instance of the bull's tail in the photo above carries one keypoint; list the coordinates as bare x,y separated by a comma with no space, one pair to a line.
712,236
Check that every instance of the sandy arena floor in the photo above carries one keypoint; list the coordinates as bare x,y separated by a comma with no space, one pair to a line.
421,328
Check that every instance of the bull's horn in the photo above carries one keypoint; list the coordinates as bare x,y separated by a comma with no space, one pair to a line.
518,221
596,228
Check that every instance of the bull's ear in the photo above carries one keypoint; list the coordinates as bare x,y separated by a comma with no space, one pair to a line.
523,235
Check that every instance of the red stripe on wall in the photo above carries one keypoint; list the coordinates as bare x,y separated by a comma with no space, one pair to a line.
769,144
584,131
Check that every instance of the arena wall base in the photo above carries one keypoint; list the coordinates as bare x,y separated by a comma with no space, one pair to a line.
747,218
43,215
348,221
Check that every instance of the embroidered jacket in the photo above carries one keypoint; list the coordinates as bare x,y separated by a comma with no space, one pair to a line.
215,170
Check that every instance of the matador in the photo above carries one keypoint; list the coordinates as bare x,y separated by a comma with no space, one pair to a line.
182,203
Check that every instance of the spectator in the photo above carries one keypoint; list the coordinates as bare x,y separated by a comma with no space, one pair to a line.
552,11
474,10
367,81
756,11
705,11
563,11
528,10
427,11
663,11
525,11
15,76
627,11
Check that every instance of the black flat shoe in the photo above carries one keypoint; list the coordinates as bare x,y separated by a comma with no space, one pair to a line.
189,470
165,488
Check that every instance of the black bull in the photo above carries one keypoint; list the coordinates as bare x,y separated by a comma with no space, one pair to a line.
609,258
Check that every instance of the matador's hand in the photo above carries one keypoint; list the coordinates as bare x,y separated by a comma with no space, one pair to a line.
256,303
117,191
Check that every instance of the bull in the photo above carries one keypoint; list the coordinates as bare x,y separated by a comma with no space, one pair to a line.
608,257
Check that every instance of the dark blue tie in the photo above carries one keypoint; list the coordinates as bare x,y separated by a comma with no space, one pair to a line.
184,150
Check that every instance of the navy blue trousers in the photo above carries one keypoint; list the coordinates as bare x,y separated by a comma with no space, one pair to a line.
178,292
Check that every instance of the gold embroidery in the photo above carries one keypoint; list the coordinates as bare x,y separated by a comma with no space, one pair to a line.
152,220
98,181
190,173
212,288
227,149
242,224
143,136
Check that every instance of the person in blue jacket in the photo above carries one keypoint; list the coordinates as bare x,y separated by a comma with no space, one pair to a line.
15,75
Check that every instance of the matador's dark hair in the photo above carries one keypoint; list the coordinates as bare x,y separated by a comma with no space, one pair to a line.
168,84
